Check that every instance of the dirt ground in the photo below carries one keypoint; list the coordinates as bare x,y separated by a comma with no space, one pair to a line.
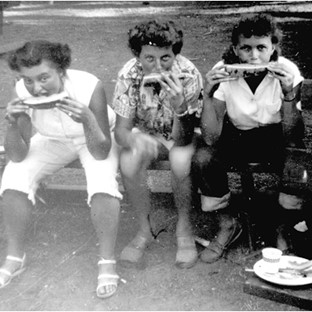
62,251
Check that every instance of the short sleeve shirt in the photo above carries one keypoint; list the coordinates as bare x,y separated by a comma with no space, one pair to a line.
151,111
248,110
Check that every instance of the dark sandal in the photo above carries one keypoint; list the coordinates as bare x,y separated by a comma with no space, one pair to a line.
214,251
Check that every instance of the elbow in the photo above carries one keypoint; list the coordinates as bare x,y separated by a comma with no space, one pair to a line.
16,158
102,152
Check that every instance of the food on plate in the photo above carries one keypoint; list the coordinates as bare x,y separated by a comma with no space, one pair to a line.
44,102
245,70
301,266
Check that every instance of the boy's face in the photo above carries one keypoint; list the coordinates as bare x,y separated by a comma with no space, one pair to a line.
42,80
155,59
254,50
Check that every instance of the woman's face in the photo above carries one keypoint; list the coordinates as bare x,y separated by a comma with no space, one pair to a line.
42,80
155,59
254,50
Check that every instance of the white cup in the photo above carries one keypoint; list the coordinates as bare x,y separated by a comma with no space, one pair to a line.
271,259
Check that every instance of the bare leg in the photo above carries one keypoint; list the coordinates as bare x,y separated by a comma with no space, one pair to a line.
105,211
135,181
16,215
180,160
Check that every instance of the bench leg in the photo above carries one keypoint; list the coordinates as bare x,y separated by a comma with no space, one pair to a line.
248,191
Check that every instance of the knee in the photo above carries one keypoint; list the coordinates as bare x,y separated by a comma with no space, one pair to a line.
10,196
180,161
201,159
291,202
131,163
209,203
13,199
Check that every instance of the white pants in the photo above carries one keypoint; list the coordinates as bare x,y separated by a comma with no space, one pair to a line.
46,156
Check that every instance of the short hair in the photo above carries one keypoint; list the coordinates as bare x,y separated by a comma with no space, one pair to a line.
155,33
259,25
32,53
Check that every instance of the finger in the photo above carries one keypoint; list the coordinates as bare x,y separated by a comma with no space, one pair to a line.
71,103
173,81
165,86
176,79
66,111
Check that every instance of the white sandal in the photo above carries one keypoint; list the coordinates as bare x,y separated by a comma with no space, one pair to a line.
112,280
4,282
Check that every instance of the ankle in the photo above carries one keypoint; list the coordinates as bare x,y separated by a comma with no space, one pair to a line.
145,232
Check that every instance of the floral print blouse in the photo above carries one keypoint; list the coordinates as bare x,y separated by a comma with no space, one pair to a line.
149,108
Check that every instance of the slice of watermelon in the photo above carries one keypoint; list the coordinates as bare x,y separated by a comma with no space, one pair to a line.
245,70
44,102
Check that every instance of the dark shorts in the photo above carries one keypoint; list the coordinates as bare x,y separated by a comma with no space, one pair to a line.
236,148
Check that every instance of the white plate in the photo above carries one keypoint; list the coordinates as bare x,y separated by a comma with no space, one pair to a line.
281,278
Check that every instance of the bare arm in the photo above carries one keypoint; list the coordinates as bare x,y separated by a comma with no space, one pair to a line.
212,119
123,133
19,130
17,138
292,120
94,120
97,131
183,129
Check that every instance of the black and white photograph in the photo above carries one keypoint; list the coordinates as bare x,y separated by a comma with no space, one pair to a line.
168,148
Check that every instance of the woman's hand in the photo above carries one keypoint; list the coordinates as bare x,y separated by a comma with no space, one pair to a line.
283,74
144,145
14,109
174,90
216,76
75,110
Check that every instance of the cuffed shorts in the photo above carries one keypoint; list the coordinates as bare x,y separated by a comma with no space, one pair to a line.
46,156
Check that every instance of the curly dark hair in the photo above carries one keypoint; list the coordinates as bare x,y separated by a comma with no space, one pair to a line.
155,33
32,53
258,25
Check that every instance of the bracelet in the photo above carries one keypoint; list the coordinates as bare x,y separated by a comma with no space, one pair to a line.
286,100
182,114
291,94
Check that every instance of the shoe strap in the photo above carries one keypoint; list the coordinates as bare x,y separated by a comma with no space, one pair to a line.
12,258
6,272
104,261
185,241
108,276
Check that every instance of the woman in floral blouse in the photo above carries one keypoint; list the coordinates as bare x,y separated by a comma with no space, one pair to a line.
156,121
